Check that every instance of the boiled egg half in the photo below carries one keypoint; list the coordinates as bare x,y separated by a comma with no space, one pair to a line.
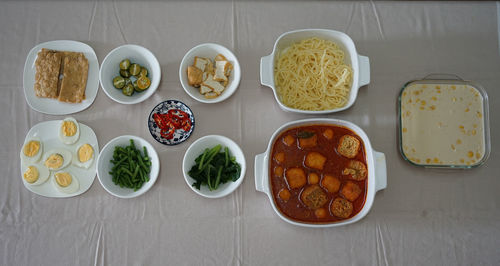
69,131
35,175
84,156
65,182
31,151
57,159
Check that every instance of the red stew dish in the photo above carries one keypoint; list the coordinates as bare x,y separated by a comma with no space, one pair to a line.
318,173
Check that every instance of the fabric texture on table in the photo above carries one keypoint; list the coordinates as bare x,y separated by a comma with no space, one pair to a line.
424,217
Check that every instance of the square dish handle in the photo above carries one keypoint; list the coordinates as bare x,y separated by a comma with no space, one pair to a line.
364,70
259,173
266,70
380,171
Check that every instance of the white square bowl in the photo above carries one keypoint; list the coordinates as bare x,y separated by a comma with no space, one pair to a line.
360,64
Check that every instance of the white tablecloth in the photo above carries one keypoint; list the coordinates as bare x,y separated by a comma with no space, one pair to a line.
424,217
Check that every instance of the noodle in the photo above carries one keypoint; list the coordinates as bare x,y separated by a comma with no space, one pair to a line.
312,75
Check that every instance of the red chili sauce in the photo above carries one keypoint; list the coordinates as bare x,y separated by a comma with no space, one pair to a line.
296,206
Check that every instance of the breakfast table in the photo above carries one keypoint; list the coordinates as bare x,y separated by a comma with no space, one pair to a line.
423,217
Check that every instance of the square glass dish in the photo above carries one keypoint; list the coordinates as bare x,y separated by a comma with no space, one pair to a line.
443,122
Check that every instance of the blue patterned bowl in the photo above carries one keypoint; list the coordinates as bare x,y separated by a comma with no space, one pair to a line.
179,135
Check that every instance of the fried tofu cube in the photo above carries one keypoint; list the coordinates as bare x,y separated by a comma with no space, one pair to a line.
350,191
220,67
328,133
279,157
330,183
313,178
201,63
278,171
289,140
211,95
315,160
314,197
295,177
348,146
220,57
195,76
308,142
284,194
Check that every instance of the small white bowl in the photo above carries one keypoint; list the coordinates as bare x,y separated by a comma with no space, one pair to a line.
110,68
104,166
197,148
210,50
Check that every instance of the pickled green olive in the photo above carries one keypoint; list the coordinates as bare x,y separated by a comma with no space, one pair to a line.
119,82
143,83
124,73
134,69
124,64
128,89
144,72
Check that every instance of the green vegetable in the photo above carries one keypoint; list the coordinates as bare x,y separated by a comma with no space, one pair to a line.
305,134
130,168
214,167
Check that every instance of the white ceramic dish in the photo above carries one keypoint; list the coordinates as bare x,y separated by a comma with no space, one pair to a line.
104,166
359,64
110,68
53,106
210,50
197,148
48,132
376,164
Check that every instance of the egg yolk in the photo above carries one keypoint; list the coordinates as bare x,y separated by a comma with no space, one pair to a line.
68,128
31,174
63,179
85,152
31,148
54,161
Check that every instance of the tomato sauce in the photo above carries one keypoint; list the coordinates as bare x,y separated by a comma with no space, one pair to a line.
294,208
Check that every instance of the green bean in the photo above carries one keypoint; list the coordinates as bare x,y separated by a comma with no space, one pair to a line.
130,168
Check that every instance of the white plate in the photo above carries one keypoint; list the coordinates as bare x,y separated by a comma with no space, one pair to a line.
104,166
48,132
53,106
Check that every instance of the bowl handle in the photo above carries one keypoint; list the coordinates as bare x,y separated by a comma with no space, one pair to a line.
266,71
380,171
259,173
364,70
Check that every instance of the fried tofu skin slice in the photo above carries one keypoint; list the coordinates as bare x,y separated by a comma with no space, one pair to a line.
315,160
356,170
289,140
195,76
348,146
330,183
350,191
295,177
341,208
313,197
308,142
